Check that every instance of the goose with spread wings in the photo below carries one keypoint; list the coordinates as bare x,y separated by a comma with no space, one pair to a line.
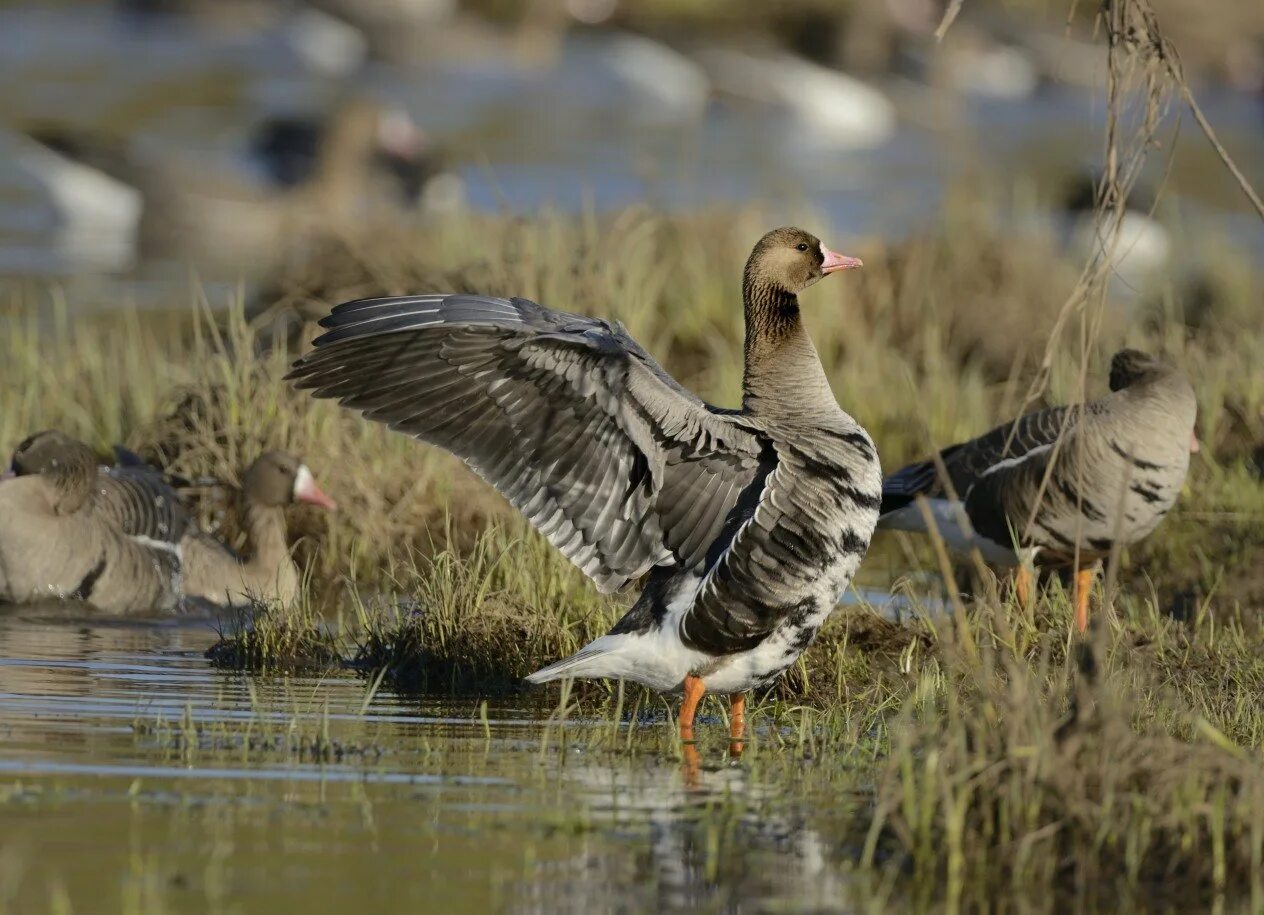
1063,487
744,525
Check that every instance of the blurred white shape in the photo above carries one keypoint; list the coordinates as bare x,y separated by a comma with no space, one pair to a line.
661,77
999,71
1064,59
591,12
74,219
324,44
838,109
1141,253
443,194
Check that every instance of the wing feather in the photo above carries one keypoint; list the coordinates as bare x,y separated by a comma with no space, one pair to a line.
570,419
969,462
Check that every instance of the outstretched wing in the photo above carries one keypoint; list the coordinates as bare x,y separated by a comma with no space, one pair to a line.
567,416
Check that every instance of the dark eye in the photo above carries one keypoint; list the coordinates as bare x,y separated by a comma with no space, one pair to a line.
801,246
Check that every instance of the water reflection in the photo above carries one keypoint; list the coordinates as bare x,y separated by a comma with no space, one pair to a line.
127,758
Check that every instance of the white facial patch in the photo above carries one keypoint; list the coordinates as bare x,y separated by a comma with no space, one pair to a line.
303,481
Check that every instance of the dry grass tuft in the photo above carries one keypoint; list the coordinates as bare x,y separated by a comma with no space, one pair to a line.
1028,770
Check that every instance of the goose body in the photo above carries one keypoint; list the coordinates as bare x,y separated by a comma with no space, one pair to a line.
745,524
61,536
1066,485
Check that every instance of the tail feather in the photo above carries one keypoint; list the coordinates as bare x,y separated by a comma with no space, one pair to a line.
587,662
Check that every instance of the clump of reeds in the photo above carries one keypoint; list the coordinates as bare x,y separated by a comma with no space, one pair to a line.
482,618
271,637
1034,769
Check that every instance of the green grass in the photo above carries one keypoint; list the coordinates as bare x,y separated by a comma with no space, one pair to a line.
275,638
978,751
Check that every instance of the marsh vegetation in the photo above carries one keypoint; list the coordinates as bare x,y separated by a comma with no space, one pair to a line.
975,748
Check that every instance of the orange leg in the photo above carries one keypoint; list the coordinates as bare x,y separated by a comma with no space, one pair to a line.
1083,587
689,706
691,766
737,724
1023,586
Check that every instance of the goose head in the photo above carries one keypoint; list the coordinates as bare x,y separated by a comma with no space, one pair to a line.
277,479
66,463
792,259
1131,367
50,452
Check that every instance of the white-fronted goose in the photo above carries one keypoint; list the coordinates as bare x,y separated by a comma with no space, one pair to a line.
61,538
215,574
748,523
1063,486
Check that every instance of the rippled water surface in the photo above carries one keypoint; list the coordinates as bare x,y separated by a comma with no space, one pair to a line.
133,776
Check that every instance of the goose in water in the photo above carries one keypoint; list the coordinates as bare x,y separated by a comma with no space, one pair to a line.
1061,487
135,497
745,524
63,533
216,575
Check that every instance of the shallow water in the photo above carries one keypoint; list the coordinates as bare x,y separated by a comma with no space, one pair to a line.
133,776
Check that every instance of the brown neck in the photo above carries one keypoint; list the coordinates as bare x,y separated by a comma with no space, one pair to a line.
338,180
783,373
269,547
72,484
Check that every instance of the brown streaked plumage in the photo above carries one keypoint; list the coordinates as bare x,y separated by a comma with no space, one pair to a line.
132,495
1066,485
748,523
215,574
61,535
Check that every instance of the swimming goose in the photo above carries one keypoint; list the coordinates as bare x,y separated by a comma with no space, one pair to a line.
746,524
60,536
130,495
1063,486
215,574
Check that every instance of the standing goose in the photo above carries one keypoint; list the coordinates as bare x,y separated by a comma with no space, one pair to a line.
60,535
746,523
1063,486
215,574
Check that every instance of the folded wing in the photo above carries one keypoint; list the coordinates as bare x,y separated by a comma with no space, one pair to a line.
966,464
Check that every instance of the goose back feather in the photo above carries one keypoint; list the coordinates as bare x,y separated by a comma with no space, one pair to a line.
60,539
